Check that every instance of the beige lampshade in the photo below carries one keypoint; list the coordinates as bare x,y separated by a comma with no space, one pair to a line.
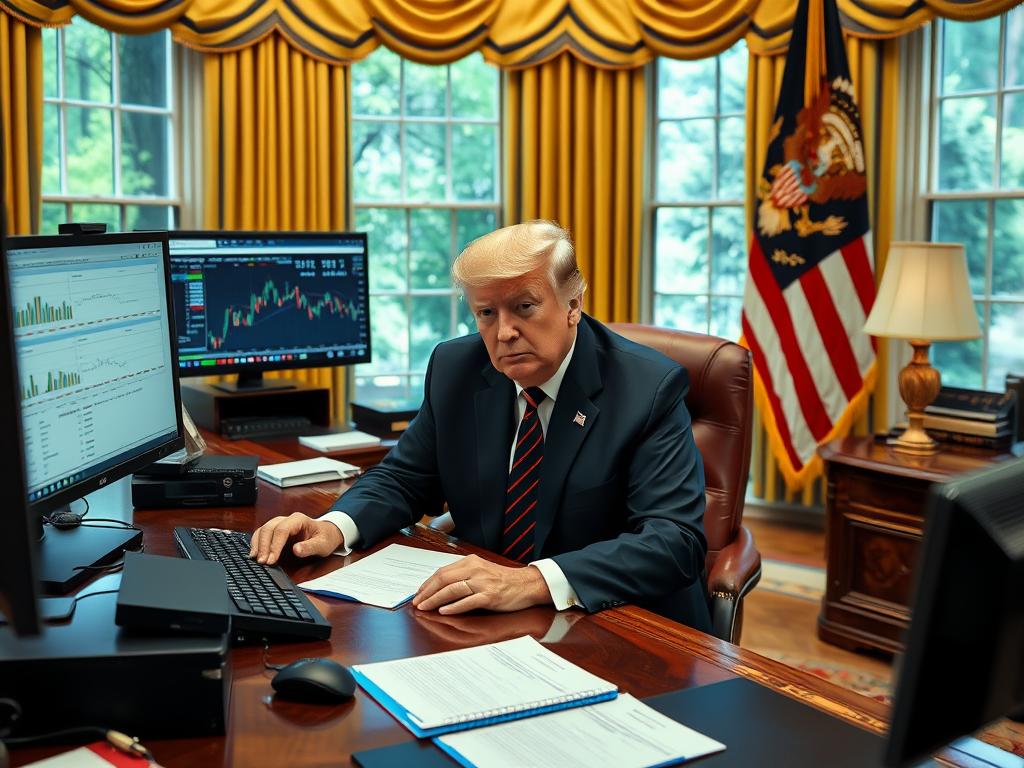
925,295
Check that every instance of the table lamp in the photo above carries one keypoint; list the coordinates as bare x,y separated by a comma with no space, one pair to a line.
925,296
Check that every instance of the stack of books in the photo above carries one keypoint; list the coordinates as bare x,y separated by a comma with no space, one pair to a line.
972,417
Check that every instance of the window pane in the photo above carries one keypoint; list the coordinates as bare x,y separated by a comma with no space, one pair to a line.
1008,252
729,251
1012,175
474,88
686,88
386,242
474,156
959,362
425,87
725,318
430,243
688,313
469,225
465,323
424,161
1005,351
685,159
733,95
144,161
375,161
98,212
148,217
970,55
964,221
967,133
51,63
143,69
1015,47
385,387
375,82
51,149
90,151
431,323
54,214
390,339
681,246
731,145
87,62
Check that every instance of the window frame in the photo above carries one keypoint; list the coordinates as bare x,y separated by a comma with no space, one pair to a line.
116,107
411,380
931,70
653,203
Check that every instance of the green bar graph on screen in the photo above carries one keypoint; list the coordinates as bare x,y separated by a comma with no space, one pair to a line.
55,380
38,312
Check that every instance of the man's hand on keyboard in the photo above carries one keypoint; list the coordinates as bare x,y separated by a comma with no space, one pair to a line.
311,537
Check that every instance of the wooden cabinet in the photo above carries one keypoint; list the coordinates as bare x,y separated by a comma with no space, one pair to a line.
875,506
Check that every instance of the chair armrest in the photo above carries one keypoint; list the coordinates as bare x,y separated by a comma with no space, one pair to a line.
737,568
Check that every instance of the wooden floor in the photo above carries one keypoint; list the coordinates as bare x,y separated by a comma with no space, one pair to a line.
775,624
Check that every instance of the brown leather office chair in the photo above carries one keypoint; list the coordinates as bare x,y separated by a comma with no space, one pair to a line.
720,402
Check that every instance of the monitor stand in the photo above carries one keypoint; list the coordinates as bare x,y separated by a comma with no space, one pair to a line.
69,557
253,382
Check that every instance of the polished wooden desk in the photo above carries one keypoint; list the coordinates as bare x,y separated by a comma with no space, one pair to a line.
642,653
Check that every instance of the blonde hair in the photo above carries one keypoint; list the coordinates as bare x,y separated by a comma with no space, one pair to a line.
512,251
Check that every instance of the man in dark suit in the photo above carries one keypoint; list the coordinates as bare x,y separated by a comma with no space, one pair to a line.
553,441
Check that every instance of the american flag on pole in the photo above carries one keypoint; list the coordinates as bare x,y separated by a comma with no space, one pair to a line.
811,284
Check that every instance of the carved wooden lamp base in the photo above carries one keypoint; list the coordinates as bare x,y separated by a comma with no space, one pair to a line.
919,385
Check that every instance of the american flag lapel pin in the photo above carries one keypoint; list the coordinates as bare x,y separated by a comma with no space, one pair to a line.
580,419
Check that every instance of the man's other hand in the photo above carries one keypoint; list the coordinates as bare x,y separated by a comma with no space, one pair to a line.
473,583
311,537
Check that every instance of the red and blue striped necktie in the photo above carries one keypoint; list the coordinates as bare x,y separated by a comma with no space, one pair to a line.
524,481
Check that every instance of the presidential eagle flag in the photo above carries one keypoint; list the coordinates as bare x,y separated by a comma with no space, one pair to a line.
811,284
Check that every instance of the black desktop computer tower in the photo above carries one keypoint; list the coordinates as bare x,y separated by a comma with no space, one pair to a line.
89,671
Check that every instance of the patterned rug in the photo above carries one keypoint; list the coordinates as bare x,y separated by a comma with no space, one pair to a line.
792,579
864,683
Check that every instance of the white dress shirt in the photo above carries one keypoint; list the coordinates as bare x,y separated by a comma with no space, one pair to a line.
562,594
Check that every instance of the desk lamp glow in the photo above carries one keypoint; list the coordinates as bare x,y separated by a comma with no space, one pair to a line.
925,296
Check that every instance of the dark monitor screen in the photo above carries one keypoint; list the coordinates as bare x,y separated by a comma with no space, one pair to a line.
18,529
258,301
964,661
93,334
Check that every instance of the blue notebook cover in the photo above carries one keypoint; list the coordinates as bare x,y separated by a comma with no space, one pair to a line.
340,596
403,716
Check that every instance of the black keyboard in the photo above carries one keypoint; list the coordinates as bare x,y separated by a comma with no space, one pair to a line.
239,428
267,603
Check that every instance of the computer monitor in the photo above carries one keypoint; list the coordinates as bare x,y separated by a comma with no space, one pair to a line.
95,346
249,302
18,531
964,660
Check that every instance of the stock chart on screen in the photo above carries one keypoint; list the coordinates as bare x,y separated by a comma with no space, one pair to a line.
269,300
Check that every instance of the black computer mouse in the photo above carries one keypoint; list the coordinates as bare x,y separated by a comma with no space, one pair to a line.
317,681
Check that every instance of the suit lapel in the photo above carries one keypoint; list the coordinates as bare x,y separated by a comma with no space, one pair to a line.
565,433
494,432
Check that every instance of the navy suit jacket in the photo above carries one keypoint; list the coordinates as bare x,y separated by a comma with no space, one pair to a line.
621,502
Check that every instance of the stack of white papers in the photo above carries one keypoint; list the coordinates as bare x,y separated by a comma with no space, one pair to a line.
622,732
342,441
386,578
316,470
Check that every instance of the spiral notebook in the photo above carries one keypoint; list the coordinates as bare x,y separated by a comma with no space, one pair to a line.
486,684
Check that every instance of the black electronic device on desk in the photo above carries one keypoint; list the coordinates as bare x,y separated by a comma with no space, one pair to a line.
254,427
384,416
209,481
90,672
266,602
93,333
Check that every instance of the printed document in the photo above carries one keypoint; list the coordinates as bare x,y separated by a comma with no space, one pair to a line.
623,732
386,578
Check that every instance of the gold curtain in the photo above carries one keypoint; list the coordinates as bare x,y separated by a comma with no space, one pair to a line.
610,34
874,69
276,149
575,154
21,104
